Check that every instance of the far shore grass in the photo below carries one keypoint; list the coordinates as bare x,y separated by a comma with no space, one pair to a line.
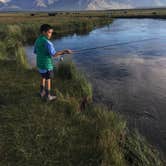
158,13
25,28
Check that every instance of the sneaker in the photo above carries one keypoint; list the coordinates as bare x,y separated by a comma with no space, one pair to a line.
42,94
50,97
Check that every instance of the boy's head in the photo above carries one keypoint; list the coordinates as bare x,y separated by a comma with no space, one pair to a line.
46,30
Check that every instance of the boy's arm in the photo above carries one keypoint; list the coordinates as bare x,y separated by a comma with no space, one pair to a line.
59,53
34,49
55,53
50,48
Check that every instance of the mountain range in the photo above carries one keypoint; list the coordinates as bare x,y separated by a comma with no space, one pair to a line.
77,4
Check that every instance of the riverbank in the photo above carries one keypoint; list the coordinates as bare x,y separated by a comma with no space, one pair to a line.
18,30
25,28
69,131
36,132
158,13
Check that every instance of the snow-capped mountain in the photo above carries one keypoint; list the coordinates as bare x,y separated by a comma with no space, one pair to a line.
77,4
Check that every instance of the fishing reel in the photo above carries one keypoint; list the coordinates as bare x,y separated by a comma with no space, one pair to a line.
61,59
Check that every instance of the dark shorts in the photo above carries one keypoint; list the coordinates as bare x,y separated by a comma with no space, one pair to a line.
48,74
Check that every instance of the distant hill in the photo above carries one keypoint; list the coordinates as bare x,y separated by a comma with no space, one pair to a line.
6,5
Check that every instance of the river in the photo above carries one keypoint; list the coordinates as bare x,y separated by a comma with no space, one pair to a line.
130,75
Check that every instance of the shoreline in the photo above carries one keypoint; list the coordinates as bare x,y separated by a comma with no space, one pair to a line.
29,124
109,141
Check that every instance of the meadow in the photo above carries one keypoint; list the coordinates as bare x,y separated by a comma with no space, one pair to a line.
70,131
139,13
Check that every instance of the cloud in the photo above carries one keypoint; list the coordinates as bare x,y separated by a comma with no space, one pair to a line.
102,4
159,3
4,1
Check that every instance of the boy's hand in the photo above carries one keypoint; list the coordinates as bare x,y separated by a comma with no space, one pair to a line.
60,53
68,51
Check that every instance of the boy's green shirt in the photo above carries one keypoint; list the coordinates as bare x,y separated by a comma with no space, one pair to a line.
43,59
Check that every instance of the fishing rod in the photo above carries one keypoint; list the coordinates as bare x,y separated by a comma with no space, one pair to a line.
79,51
112,45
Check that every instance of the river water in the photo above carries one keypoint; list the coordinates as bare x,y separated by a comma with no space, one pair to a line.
130,75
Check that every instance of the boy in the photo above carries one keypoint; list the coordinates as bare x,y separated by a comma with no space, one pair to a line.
45,50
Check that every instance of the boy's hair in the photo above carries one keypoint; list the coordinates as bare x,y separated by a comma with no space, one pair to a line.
45,28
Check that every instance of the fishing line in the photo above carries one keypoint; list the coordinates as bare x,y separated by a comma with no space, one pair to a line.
79,51
111,45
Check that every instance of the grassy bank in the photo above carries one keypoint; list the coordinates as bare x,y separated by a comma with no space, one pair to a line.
36,132
17,30
25,28
139,13
71,131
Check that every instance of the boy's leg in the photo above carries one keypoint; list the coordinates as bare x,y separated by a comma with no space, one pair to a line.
42,84
43,87
48,90
48,87
48,77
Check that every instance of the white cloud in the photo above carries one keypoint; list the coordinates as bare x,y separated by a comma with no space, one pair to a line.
4,1
159,3
102,4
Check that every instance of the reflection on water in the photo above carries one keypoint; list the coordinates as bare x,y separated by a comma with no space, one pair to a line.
129,78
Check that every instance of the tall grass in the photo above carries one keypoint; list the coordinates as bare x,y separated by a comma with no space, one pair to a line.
138,152
2,50
27,32
74,83
34,132
21,59
15,36
11,47
14,31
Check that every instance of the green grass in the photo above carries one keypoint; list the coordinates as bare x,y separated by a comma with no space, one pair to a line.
36,132
18,32
137,151
25,28
70,131
79,87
